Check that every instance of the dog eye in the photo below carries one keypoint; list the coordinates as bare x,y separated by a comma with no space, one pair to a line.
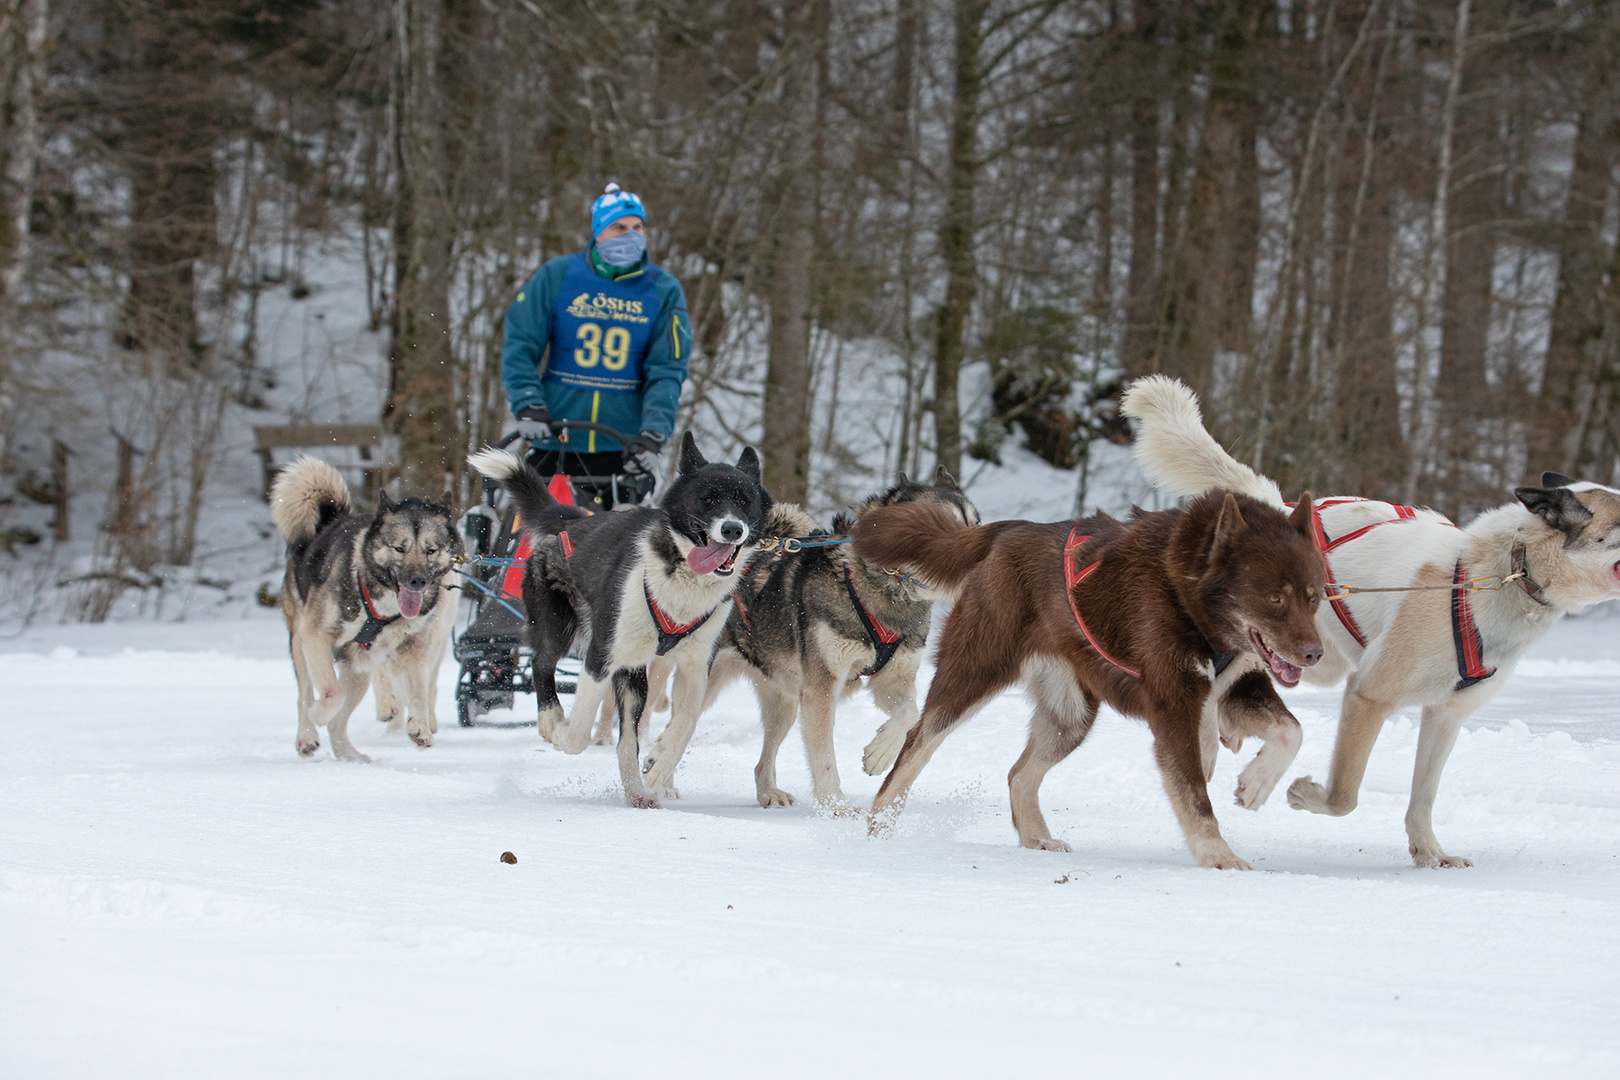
400,548
1274,598
429,551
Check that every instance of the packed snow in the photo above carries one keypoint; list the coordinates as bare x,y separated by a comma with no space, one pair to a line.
182,895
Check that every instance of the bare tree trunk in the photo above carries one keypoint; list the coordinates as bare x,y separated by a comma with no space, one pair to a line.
1577,322
957,234
787,377
22,85
1212,287
421,405
1434,270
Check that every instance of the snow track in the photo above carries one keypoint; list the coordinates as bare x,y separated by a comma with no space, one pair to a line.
180,895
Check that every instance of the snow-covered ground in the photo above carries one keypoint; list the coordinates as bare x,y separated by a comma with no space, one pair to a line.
181,895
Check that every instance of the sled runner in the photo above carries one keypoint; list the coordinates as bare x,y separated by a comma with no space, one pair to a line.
496,661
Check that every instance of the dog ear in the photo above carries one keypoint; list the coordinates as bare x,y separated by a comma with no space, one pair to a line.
748,462
1301,517
1558,507
900,479
1555,480
1228,527
448,501
691,458
384,503
944,479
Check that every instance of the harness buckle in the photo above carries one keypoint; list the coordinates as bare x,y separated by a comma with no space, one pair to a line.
791,544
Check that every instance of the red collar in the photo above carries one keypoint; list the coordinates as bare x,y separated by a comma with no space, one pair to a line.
374,623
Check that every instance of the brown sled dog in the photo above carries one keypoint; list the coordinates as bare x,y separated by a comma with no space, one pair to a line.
1172,616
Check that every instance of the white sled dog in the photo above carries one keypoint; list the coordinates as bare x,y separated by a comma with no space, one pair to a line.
364,595
1446,649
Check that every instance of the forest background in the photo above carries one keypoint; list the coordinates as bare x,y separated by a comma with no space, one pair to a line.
1377,236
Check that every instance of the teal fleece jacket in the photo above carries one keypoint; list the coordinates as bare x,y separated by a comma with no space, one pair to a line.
664,369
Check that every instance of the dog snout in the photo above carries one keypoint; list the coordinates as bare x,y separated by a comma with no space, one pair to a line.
1311,653
731,532
416,582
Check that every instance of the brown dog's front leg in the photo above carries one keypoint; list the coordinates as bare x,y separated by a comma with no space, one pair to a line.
1175,745
1252,708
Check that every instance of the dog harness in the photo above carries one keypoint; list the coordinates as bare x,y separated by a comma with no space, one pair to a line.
670,632
374,623
885,642
1071,578
1465,636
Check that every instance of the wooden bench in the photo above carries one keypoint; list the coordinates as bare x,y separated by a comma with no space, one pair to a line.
378,447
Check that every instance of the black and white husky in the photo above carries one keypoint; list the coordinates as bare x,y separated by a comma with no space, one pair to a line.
364,595
1442,647
631,586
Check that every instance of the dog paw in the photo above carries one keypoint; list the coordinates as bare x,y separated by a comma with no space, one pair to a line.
421,738
354,756
1253,788
1439,860
1044,843
640,800
547,722
1226,862
603,738
774,796
1307,794
663,790
307,747
881,752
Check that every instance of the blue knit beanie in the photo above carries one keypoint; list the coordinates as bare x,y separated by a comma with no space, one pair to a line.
612,205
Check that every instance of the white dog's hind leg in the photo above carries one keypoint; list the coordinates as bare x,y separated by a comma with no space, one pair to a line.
604,723
574,736
1436,737
894,690
686,704
354,685
777,712
308,739
818,695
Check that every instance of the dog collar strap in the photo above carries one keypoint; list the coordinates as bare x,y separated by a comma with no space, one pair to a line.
567,544
670,632
1340,607
1521,567
1465,635
1071,578
374,622
742,612
885,642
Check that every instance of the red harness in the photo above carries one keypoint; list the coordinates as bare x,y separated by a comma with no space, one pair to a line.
670,632
1464,634
885,642
375,623
1071,578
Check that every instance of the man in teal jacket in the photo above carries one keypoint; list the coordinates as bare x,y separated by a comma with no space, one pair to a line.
600,335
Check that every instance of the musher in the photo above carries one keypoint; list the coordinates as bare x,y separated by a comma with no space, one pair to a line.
600,335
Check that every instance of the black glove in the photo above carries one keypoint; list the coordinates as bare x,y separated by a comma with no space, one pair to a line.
533,423
642,453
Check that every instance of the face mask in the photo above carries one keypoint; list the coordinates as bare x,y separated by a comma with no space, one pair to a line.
626,249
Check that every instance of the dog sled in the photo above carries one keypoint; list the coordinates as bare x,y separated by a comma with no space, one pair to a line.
496,661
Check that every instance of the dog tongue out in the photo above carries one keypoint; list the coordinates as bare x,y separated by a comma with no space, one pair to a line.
704,560
1286,673
410,602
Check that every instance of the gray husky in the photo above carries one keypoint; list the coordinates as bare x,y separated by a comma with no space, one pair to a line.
363,595
805,628
632,586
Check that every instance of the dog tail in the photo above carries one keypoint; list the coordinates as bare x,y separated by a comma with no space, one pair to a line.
925,539
539,511
305,498
1175,451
